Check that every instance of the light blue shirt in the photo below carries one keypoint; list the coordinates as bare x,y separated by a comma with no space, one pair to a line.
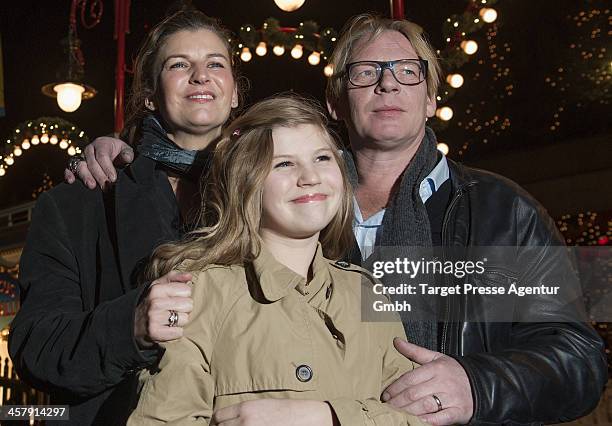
367,230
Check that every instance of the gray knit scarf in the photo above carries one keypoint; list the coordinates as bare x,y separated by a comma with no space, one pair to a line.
406,224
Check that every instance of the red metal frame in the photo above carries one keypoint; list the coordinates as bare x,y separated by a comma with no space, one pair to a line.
122,19
397,9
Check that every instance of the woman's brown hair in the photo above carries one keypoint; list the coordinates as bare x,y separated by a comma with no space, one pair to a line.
148,66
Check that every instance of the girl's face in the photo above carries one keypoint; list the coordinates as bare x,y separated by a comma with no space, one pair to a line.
197,89
304,188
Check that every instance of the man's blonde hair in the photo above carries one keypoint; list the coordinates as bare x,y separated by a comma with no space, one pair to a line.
366,27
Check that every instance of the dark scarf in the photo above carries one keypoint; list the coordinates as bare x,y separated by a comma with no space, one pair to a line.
406,224
156,145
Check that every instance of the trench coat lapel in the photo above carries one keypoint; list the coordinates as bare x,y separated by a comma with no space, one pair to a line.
139,226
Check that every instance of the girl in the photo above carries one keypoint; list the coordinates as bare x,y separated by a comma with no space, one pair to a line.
275,335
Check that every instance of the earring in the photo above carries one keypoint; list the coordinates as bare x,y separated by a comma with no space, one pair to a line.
149,105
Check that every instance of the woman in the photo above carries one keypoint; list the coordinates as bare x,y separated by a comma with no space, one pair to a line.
84,328
275,337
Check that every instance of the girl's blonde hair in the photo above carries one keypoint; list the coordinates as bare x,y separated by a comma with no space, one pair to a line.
231,211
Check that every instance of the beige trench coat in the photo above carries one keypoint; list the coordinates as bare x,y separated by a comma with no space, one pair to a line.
261,331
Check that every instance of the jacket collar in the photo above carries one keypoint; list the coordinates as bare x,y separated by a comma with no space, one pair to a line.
460,176
277,281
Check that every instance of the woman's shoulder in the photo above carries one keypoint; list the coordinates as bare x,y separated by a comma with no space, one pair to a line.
72,204
71,196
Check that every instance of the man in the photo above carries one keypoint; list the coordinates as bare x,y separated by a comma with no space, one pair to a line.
407,194
384,89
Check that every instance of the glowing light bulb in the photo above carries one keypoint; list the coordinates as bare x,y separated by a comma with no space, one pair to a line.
246,55
289,5
297,51
278,50
443,148
44,138
445,113
53,139
2,171
469,46
17,151
314,58
455,80
69,96
328,71
63,144
261,49
9,161
71,151
35,140
25,144
488,14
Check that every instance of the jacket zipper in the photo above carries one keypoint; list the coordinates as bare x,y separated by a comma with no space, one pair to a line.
458,195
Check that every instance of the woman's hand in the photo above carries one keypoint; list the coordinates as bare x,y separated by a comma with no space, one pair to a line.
152,320
273,412
98,164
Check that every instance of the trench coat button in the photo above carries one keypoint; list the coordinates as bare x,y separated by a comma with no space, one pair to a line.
303,373
343,264
328,292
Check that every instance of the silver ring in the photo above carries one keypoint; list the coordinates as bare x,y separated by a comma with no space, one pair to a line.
437,402
73,163
173,319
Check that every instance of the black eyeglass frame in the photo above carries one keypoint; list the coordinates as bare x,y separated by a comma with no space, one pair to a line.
383,65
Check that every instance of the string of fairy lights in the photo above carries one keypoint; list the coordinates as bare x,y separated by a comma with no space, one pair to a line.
305,37
481,121
576,82
584,74
53,131
586,228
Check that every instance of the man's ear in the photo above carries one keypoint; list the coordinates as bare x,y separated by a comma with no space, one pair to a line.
430,109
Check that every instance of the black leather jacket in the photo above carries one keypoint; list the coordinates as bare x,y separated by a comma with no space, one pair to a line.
520,373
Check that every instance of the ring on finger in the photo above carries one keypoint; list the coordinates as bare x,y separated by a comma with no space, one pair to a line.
73,163
438,402
173,318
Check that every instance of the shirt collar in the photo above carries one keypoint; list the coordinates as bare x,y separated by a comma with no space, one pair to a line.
434,180
277,281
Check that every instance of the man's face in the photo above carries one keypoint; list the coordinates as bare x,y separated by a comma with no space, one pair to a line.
388,113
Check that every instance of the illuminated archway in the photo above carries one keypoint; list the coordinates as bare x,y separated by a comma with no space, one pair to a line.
41,131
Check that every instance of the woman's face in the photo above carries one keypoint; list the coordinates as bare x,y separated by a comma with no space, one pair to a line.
304,188
196,86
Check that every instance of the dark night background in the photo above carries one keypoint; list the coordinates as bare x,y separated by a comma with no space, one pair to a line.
528,43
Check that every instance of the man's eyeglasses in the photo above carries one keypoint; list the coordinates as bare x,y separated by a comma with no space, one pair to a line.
409,72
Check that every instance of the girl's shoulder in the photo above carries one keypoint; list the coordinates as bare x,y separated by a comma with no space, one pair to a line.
223,280
352,272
